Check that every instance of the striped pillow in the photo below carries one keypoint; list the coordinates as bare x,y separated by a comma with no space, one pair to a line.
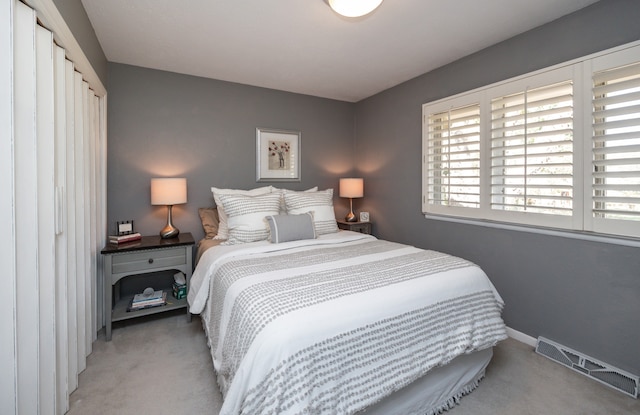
223,228
320,203
246,216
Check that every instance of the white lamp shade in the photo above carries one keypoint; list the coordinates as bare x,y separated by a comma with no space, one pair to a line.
352,187
354,8
168,191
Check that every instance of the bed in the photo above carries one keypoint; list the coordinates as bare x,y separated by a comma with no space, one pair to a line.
310,319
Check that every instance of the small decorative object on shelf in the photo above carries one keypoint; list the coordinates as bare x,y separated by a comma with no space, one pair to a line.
364,216
179,286
132,237
124,227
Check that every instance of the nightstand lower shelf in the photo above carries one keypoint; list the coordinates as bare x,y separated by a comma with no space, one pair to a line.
120,312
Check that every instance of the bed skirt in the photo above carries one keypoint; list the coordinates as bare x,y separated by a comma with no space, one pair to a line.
438,390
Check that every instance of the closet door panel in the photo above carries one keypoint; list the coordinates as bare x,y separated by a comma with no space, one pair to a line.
46,219
25,205
81,253
70,191
8,356
61,320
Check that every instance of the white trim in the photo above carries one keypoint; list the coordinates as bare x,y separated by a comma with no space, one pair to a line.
51,18
593,237
521,337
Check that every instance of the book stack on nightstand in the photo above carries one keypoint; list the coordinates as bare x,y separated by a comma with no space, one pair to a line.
124,239
148,299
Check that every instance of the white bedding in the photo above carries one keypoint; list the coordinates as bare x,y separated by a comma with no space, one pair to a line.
335,324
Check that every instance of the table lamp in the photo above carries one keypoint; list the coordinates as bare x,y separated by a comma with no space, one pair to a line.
351,188
169,191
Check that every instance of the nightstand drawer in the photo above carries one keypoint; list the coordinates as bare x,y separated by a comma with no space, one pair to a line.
144,260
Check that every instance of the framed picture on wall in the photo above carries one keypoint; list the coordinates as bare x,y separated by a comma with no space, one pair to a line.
277,155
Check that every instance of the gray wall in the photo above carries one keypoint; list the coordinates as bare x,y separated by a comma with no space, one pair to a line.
166,124
75,16
582,294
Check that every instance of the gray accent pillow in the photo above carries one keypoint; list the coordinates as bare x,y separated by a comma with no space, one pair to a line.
285,228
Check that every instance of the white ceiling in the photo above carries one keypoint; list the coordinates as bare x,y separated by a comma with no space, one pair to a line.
303,46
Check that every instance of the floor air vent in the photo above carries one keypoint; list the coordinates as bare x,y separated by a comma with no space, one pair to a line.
603,373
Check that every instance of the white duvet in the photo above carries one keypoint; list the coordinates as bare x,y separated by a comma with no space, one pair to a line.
335,324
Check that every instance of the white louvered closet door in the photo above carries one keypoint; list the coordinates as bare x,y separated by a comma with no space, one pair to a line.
8,256
52,156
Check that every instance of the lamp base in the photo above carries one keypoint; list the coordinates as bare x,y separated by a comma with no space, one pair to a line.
351,217
169,231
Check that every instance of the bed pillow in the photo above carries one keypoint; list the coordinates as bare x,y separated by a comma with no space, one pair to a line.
223,229
283,209
320,203
285,228
209,219
246,216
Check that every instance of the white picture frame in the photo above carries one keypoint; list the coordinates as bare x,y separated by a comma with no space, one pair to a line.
364,216
277,155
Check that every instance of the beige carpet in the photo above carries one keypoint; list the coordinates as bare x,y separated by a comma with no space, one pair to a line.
161,365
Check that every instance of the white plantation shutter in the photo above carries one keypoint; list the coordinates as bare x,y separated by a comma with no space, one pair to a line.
453,157
559,148
532,150
616,147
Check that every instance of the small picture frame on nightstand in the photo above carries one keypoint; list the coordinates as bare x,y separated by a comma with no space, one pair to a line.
124,227
364,216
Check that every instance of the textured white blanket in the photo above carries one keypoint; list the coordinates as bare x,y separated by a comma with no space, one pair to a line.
335,324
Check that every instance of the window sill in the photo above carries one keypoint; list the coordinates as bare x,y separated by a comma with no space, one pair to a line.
585,236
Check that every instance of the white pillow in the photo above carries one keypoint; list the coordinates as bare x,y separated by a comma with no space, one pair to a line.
223,228
246,216
320,203
283,209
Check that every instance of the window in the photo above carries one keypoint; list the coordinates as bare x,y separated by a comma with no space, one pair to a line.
559,148
616,145
453,159
532,150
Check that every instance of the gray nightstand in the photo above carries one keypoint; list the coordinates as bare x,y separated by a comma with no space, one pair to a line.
362,227
149,255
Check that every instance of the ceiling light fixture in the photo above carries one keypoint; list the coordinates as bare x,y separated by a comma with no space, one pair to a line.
354,8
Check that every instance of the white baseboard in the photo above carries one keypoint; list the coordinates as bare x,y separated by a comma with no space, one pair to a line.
521,337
